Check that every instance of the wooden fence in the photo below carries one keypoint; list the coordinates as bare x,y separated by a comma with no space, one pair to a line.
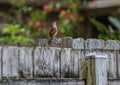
61,63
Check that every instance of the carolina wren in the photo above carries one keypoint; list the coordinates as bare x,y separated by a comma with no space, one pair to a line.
52,32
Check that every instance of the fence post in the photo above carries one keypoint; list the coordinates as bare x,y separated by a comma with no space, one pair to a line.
96,70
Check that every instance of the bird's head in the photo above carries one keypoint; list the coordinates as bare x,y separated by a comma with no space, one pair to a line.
54,24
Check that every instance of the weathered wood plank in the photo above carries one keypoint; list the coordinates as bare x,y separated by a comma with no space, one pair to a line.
11,83
42,42
96,69
66,42
118,60
111,45
65,62
101,70
6,62
82,73
70,63
93,45
110,49
14,62
111,64
1,49
78,43
55,42
114,82
10,61
26,62
45,82
118,63
46,62
75,63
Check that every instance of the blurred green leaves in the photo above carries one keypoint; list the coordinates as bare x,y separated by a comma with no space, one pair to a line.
13,30
107,32
115,22
13,34
101,27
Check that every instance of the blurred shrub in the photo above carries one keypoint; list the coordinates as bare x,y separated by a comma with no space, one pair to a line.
13,34
70,19
108,32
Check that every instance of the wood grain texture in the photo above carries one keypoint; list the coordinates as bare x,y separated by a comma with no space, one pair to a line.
78,43
90,72
45,82
111,64
118,60
66,42
118,64
94,44
111,45
10,61
1,49
14,62
82,68
46,62
96,70
65,62
25,62
55,42
70,60
64,58
42,42
114,82
101,72
75,63
110,49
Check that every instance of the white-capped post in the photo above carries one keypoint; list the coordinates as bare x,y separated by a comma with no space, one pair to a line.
96,70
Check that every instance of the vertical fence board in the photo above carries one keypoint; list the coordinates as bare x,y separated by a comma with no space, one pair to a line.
65,62
70,63
118,59
112,70
26,62
55,42
1,61
6,62
14,62
94,45
11,83
74,63
114,82
96,69
111,46
56,63
51,61
46,82
101,70
42,42
10,61
118,63
78,43
46,62
66,42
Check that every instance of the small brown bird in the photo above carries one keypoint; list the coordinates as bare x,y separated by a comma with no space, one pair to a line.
52,32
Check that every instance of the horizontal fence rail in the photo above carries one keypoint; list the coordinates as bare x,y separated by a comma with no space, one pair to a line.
63,58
